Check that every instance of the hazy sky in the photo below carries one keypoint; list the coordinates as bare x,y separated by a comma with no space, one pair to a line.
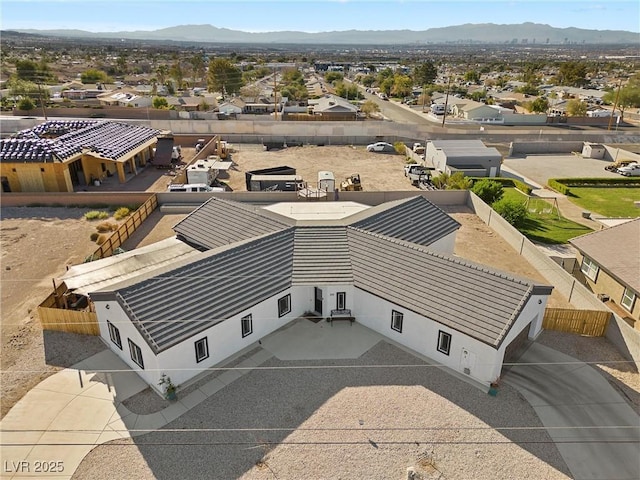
314,15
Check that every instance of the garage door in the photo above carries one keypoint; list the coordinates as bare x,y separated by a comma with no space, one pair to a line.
517,347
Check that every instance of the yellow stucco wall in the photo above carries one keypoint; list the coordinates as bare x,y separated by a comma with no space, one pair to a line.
37,177
611,287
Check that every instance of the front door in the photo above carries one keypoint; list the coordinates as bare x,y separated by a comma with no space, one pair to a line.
341,300
318,300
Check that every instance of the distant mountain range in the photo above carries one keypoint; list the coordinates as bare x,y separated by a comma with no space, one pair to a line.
525,33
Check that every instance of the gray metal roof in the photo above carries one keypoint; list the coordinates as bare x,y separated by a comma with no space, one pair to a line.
178,304
465,148
221,222
255,256
321,256
468,298
416,220
616,250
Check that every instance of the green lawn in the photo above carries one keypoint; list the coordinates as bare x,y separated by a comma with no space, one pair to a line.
607,201
543,224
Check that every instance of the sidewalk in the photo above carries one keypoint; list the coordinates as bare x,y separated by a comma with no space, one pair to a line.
56,424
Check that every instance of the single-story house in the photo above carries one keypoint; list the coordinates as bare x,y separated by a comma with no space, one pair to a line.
609,262
334,107
58,155
471,157
389,267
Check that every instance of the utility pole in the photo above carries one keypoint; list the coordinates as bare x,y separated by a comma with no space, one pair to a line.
275,94
615,104
446,101
44,112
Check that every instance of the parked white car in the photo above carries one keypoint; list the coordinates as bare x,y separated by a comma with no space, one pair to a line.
631,170
380,147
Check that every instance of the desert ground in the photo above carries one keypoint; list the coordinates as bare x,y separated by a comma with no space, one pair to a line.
37,243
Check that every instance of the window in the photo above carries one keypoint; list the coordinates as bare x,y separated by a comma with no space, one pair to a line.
136,354
202,349
628,299
114,334
341,298
396,321
589,268
247,325
444,342
284,305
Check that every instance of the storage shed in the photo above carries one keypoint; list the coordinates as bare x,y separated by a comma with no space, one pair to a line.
471,157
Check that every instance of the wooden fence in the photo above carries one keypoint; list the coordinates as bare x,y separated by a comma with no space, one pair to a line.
125,230
71,321
583,322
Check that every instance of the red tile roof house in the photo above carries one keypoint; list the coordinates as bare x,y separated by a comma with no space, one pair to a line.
390,267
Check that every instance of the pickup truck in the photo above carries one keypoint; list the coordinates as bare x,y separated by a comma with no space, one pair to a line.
417,172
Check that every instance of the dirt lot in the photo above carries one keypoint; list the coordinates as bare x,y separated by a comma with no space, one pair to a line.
37,244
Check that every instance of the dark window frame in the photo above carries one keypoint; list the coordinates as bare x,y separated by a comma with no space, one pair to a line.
281,311
249,331
206,349
114,332
397,318
442,335
133,347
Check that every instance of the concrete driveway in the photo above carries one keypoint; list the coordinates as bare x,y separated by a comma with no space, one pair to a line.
540,168
595,430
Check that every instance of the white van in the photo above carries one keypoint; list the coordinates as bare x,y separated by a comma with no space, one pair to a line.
193,187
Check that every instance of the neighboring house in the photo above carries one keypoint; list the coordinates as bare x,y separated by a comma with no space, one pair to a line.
232,107
610,263
390,267
57,156
471,157
124,98
333,107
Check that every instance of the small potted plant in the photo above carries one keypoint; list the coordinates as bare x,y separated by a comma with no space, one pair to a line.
168,387
493,388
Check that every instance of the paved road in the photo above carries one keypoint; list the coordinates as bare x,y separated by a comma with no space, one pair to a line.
602,438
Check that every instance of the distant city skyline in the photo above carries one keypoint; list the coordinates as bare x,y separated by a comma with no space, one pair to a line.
313,15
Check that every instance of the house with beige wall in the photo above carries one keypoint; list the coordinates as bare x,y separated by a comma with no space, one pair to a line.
59,156
609,262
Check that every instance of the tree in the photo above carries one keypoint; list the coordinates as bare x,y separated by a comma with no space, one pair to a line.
197,67
160,103
331,77
458,181
162,72
425,73
26,104
368,80
402,86
472,76
386,85
489,191
629,95
512,211
348,91
576,108
572,74
94,75
27,70
369,108
224,77
176,73
540,105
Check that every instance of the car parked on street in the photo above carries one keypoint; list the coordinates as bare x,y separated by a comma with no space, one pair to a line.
381,147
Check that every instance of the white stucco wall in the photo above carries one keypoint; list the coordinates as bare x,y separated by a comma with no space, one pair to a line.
119,319
445,245
435,157
421,334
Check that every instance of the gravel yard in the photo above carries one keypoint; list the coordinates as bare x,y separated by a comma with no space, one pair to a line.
342,423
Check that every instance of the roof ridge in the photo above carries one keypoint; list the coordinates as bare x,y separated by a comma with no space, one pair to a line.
453,259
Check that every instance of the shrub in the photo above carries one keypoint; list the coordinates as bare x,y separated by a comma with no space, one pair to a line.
558,187
458,181
512,211
107,227
523,187
121,213
96,215
101,239
94,236
400,147
488,190
26,104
